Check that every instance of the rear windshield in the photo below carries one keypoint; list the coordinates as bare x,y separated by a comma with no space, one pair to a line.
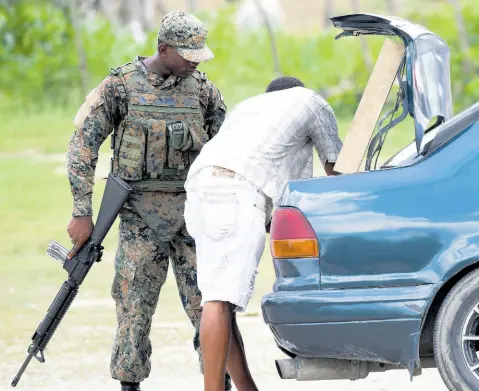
434,138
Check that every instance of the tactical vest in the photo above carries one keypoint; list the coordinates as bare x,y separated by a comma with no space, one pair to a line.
161,135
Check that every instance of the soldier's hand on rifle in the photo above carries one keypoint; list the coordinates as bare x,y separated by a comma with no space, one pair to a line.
79,229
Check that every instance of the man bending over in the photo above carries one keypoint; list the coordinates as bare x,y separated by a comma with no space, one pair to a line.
232,186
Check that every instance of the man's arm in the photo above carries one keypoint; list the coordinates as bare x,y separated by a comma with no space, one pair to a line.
94,121
329,168
215,112
325,137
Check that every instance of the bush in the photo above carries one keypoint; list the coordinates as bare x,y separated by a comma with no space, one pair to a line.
39,62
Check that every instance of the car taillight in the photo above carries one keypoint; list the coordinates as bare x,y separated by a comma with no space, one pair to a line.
291,235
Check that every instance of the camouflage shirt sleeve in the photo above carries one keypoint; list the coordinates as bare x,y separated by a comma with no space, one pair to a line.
215,108
100,113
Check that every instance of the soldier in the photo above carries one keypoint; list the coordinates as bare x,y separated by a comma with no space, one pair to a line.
161,111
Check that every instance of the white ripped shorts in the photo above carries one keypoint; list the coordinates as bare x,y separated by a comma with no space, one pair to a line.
225,214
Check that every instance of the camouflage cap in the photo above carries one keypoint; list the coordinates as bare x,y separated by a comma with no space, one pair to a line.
187,34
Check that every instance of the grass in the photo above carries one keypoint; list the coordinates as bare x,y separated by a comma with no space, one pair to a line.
35,207
46,132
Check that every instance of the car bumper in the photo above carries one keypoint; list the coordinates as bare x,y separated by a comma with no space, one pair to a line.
374,324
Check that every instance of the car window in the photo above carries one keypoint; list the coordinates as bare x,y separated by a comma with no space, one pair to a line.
434,138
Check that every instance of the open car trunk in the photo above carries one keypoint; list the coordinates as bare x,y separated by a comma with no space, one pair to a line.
423,74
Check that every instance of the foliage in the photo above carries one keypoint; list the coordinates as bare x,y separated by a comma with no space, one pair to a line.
35,54
39,62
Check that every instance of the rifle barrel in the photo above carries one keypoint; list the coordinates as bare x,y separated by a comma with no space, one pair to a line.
22,369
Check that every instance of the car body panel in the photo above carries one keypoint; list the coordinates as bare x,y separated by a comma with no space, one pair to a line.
354,324
355,305
390,341
383,228
296,274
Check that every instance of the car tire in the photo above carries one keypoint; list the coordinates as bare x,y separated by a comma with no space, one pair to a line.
453,357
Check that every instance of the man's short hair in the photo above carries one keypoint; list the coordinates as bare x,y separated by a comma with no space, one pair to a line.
283,83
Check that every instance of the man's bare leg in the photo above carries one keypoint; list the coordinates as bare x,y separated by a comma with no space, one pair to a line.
237,364
216,342
215,336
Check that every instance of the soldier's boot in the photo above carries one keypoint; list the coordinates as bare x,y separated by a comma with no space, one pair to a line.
125,386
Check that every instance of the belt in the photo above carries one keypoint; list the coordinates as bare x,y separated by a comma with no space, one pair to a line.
223,172
158,185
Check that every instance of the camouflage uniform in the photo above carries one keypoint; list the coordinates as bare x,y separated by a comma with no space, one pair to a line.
160,125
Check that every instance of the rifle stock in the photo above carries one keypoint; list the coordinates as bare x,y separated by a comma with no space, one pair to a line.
115,194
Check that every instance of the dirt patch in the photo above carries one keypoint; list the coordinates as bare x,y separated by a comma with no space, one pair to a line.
175,366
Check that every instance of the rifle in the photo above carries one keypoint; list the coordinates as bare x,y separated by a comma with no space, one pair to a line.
115,195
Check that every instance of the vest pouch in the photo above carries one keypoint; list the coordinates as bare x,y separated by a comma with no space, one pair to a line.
156,146
177,159
199,137
179,136
129,162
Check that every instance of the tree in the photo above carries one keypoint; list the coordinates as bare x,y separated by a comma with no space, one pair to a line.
391,5
463,37
328,12
192,6
82,67
366,53
274,50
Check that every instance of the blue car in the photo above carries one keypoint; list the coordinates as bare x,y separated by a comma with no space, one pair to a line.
377,269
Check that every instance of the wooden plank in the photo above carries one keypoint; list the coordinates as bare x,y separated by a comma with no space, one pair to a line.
367,114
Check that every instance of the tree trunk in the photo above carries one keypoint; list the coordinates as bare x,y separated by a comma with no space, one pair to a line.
160,5
274,50
328,12
135,11
124,11
82,65
191,6
463,37
391,5
368,61
149,16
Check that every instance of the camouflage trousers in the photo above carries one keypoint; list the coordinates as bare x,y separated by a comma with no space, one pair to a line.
152,231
